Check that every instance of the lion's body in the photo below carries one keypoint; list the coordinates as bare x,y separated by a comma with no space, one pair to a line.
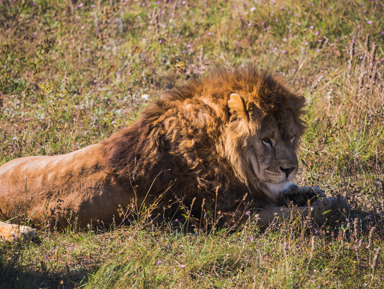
226,141
56,187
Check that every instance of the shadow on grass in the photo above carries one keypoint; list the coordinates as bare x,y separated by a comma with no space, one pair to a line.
11,277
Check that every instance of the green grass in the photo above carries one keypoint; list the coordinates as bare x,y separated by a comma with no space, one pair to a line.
72,74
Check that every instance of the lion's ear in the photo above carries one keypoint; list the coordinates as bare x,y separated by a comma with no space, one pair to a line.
237,106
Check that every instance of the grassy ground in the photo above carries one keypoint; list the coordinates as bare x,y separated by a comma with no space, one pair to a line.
74,72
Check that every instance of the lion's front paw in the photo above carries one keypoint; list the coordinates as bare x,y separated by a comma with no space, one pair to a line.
331,203
300,196
313,190
327,207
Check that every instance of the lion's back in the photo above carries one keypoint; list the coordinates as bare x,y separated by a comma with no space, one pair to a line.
37,172
41,180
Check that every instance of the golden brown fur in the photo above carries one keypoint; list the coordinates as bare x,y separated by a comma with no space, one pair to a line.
229,138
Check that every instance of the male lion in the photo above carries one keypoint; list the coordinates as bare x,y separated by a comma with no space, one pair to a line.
227,141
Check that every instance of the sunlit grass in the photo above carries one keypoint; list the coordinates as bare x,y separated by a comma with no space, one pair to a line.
74,72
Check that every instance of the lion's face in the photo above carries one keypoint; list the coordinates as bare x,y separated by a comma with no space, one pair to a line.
266,144
271,154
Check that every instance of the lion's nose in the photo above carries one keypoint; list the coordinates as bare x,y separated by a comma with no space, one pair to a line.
287,171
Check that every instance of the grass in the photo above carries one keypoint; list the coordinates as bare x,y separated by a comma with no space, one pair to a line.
73,72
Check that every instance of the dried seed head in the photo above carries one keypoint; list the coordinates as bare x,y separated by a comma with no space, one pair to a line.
355,228
373,76
351,55
370,236
367,42
376,258
353,46
312,245
373,54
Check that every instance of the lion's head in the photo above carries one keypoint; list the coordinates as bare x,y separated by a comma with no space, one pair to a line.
234,132
263,131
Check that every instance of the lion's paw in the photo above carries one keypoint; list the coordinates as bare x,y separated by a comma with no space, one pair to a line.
331,203
300,196
328,205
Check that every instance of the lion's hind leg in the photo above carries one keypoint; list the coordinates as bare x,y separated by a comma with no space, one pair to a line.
12,233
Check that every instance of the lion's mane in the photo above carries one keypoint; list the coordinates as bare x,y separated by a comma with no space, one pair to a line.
177,145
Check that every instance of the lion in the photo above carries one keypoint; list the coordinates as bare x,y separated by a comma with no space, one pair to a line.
227,141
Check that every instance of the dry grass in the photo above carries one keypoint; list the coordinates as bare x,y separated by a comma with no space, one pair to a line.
73,72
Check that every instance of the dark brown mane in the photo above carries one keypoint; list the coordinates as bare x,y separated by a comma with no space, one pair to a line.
174,142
